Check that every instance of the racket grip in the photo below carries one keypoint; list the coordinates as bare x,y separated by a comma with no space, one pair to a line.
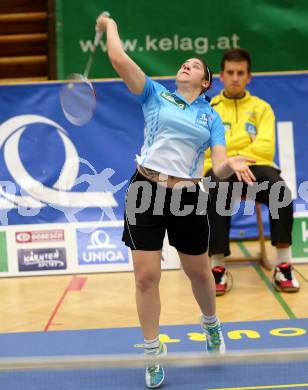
99,34
97,38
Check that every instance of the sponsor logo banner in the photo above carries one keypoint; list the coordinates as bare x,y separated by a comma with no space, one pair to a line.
163,40
300,237
41,259
3,253
103,246
39,236
66,187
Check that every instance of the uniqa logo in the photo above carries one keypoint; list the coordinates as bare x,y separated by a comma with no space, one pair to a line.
101,249
203,120
100,240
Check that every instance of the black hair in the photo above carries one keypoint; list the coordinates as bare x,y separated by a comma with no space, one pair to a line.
236,55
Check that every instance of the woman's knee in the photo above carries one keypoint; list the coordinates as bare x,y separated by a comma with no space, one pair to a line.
197,269
146,279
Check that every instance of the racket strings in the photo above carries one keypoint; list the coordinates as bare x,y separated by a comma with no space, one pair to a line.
78,99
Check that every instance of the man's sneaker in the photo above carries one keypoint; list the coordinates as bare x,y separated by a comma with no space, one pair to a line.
221,280
284,279
155,375
214,339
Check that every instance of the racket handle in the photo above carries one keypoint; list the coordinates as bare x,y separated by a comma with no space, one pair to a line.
99,34
97,38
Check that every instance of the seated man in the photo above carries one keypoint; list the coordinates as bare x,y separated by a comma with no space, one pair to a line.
250,132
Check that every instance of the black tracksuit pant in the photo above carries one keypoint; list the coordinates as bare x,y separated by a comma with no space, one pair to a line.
281,219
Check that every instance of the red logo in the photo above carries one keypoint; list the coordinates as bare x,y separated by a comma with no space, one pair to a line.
40,236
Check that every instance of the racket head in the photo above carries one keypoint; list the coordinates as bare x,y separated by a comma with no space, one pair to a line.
78,99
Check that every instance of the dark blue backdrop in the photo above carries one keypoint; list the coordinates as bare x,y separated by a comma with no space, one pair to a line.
114,135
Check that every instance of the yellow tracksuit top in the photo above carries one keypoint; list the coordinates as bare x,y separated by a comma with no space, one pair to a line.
249,128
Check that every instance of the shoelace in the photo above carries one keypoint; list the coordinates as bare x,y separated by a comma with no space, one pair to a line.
215,335
287,272
153,369
218,273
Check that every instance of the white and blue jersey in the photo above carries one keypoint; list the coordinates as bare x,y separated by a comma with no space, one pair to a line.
176,132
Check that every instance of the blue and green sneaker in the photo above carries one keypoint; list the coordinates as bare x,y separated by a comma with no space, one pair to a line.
155,375
214,342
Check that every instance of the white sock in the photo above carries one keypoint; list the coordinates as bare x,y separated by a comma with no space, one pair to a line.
283,255
218,260
151,346
208,321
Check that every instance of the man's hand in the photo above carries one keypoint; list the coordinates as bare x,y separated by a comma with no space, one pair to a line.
239,166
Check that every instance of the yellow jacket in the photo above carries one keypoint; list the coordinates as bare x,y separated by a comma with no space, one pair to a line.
249,128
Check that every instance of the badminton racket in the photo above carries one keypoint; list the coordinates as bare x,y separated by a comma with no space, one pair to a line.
77,95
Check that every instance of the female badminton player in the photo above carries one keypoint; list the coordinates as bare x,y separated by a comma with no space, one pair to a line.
180,126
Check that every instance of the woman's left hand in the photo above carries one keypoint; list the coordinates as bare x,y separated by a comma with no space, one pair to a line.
239,166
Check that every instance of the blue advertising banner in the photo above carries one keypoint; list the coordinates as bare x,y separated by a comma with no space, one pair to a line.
53,171
101,246
41,259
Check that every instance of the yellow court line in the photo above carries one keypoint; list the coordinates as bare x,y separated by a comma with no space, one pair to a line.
263,387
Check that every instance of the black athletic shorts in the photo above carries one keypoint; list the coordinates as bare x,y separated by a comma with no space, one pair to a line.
151,209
